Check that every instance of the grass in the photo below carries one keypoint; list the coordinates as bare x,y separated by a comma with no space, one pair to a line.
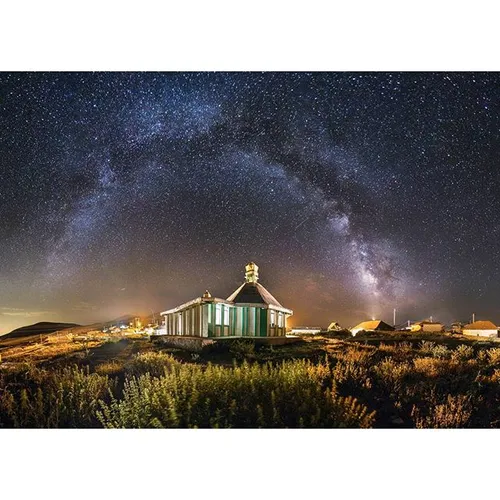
319,382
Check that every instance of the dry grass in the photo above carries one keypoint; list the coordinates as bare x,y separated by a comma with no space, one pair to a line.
45,351
110,368
319,382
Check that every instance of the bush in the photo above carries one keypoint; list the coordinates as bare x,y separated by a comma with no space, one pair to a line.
429,367
59,399
154,363
341,385
494,355
440,351
110,368
393,374
242,349
455,412
337,334
288,395
462,353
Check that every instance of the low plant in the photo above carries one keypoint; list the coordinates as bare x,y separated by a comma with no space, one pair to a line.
154,363
242,349
291,394
110,368
454,412
61,398
494,355
462,353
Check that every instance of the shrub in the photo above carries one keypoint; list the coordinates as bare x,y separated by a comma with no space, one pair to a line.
462,353
288,395
392,374
430,367
110,368
338,334
455,412
401,350
494,355
440,351
357,355
154,363
350,374
62,398
426,347
242,349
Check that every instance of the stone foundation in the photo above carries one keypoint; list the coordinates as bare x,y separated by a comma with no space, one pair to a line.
196,344
191,344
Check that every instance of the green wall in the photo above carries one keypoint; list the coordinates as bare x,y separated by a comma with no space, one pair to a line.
263,322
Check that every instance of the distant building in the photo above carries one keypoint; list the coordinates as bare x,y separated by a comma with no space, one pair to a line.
481,329
250,311
334,327
428,326
457,327
305,330
376,325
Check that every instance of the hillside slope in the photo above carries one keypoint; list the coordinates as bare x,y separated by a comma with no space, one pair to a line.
41,328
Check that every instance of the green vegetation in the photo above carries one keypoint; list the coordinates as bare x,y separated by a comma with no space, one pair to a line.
321,382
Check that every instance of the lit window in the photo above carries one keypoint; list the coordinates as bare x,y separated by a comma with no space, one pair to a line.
280,320
217,314
226,315
273,319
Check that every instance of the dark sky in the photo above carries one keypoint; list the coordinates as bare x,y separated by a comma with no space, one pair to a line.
354,193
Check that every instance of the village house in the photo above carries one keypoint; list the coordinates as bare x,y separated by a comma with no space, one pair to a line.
375,325
481,329
305,330
427,326
250,311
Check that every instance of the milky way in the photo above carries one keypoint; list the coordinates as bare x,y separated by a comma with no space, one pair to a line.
356,193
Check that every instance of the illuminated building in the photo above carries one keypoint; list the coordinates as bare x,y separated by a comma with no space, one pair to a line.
372,326
481,329
427,326
305,330
250,311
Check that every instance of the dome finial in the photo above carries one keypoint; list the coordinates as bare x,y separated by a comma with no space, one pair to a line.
251,272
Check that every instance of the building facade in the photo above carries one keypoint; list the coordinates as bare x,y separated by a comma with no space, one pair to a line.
427,326
481,329
250,311
375,325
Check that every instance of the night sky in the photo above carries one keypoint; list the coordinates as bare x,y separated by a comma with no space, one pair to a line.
354,193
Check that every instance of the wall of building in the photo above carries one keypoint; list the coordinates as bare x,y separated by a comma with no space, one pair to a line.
277,323
438,327
191,322
481,333
203,320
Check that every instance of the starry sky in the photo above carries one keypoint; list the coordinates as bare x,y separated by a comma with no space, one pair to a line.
355,193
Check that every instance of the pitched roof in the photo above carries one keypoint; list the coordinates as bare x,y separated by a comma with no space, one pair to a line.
427,322
253,293
200,300
376,324
481,325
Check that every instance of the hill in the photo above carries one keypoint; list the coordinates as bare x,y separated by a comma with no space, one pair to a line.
29,333
42,328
